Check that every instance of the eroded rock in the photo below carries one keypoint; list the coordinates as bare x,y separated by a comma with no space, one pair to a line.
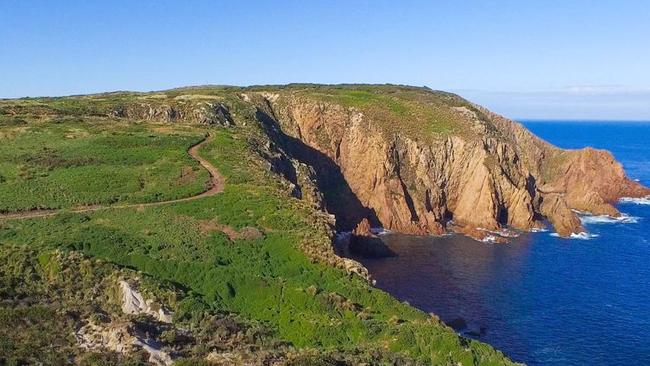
498,176
362,242
121,337
134,303
211,112
363,228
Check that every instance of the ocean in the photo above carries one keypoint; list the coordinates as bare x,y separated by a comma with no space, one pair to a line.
541,299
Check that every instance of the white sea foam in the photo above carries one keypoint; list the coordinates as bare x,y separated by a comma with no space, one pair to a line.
504,233
638,201
581,236
379,231
489,239
606,219
538,230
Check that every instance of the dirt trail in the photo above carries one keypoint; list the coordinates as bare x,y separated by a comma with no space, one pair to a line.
216,184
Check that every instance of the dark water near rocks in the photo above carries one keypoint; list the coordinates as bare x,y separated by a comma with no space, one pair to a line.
544,300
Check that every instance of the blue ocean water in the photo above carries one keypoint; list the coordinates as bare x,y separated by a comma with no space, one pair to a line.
544,300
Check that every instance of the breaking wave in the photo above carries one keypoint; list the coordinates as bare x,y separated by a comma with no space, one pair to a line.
638,201
489,239
380,231
606,219
581,236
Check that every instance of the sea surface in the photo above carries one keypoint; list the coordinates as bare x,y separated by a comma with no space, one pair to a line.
541,299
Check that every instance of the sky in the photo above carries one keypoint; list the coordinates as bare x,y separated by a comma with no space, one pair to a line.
524,59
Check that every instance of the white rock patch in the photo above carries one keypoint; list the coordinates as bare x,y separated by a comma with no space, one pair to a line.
134,303
119,337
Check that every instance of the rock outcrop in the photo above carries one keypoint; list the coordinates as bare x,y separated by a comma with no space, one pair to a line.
134,303
362,242
408,159
485,174
121,337
127,336
204,112
363,228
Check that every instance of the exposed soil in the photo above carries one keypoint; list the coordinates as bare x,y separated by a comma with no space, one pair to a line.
246,233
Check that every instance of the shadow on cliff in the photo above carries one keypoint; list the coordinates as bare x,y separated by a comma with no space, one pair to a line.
339,198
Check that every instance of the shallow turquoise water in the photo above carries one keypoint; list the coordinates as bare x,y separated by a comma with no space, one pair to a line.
540,299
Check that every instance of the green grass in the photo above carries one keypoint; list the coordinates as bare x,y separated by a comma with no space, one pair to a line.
412,112
41,309
85,162
268,281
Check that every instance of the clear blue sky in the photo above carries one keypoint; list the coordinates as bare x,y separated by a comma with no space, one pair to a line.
524,59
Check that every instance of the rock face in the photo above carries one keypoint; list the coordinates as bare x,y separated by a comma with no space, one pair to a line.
205,112
134,303
362,228
120,337
125,336
485,174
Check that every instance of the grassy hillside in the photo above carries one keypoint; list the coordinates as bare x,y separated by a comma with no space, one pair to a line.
420,112
63,163
239,255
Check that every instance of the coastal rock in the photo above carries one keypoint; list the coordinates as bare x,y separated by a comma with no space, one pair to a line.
490,173
204,112
593,180
364,243
362,228
353,267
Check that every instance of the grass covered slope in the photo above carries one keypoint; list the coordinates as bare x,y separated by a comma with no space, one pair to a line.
239,255
64,163
419,112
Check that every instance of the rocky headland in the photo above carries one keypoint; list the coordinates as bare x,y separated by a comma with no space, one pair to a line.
418,161
353,157
408,159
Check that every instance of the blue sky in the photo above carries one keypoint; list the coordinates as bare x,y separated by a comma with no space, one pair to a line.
524,59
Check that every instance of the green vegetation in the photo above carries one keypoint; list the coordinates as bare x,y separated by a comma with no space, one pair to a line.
76,162
416,112
43,310
289,305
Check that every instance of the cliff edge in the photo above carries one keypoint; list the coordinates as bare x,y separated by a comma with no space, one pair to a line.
418,161
408,159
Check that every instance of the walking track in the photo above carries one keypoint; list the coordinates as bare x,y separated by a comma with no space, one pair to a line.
216,184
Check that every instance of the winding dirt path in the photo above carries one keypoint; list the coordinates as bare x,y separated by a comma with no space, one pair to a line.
216,185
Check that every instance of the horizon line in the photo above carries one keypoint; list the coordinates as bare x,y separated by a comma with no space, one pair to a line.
584,120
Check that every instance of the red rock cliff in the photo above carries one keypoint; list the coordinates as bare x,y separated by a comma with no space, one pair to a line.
483,173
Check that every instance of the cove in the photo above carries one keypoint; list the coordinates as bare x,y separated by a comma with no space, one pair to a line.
540,299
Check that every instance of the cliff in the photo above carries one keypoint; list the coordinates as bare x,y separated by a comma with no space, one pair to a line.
418,161
276,295
408,159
